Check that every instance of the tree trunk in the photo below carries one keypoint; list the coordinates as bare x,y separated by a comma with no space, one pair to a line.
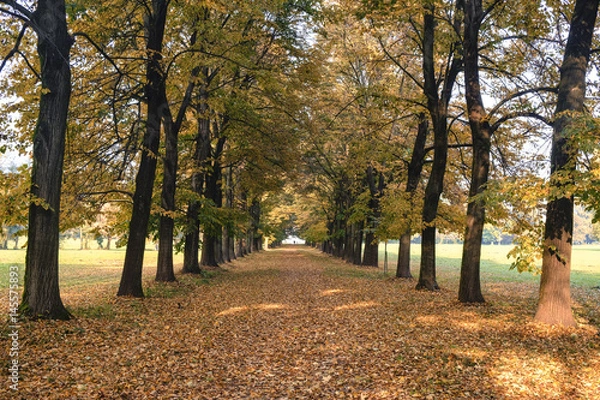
371,255
348,245
376,184
438,109
256,239
211,245
41,295
403,267
470,283
427,278
164,267
415,167
555,292
191,261
435,184
228,237
131,278
357,243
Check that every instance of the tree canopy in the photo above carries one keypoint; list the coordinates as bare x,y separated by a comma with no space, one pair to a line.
215,125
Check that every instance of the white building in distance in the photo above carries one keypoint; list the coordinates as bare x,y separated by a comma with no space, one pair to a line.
293,240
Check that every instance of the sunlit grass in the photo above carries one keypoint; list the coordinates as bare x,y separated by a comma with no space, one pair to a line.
96,266
83,267
495,264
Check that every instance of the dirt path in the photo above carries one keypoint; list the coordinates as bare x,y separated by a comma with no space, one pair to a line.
295,324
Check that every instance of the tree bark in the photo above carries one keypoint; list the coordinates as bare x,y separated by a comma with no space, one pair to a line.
164,269
376,184
437,104
357,243
371,254
211,244
554,305
256,239
470,283
41,295
131,278
191,260
415,167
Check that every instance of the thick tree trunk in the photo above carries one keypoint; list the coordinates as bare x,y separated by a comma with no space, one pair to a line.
415,167
433,192
470,283
438,109
403,267
164,267
240,248
427,273
555,292
131,278
371,255
211,245
349,245
191,260
41,295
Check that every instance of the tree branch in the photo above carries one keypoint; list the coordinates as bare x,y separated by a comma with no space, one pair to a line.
102,52
525,114
22,13
519,94
15,48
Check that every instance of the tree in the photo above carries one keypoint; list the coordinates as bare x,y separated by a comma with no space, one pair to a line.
470,285
554,305
41,295
172,126
154,92
415,168
437,104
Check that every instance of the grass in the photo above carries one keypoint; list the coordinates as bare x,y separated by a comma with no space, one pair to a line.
80,268
495,266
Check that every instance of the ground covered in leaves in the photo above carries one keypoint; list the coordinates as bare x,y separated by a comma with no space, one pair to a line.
295,324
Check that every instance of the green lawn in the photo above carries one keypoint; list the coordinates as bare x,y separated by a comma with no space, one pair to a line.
495,266
80,267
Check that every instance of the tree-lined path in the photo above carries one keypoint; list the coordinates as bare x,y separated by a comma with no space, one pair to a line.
294,323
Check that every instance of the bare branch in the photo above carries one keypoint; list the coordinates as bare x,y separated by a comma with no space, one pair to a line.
102,52
15,48
20,12
514,115
519,94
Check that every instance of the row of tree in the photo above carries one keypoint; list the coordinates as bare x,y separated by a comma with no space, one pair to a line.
378,119
431,105
126,96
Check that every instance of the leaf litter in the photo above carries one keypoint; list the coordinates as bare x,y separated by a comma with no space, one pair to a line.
294,323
